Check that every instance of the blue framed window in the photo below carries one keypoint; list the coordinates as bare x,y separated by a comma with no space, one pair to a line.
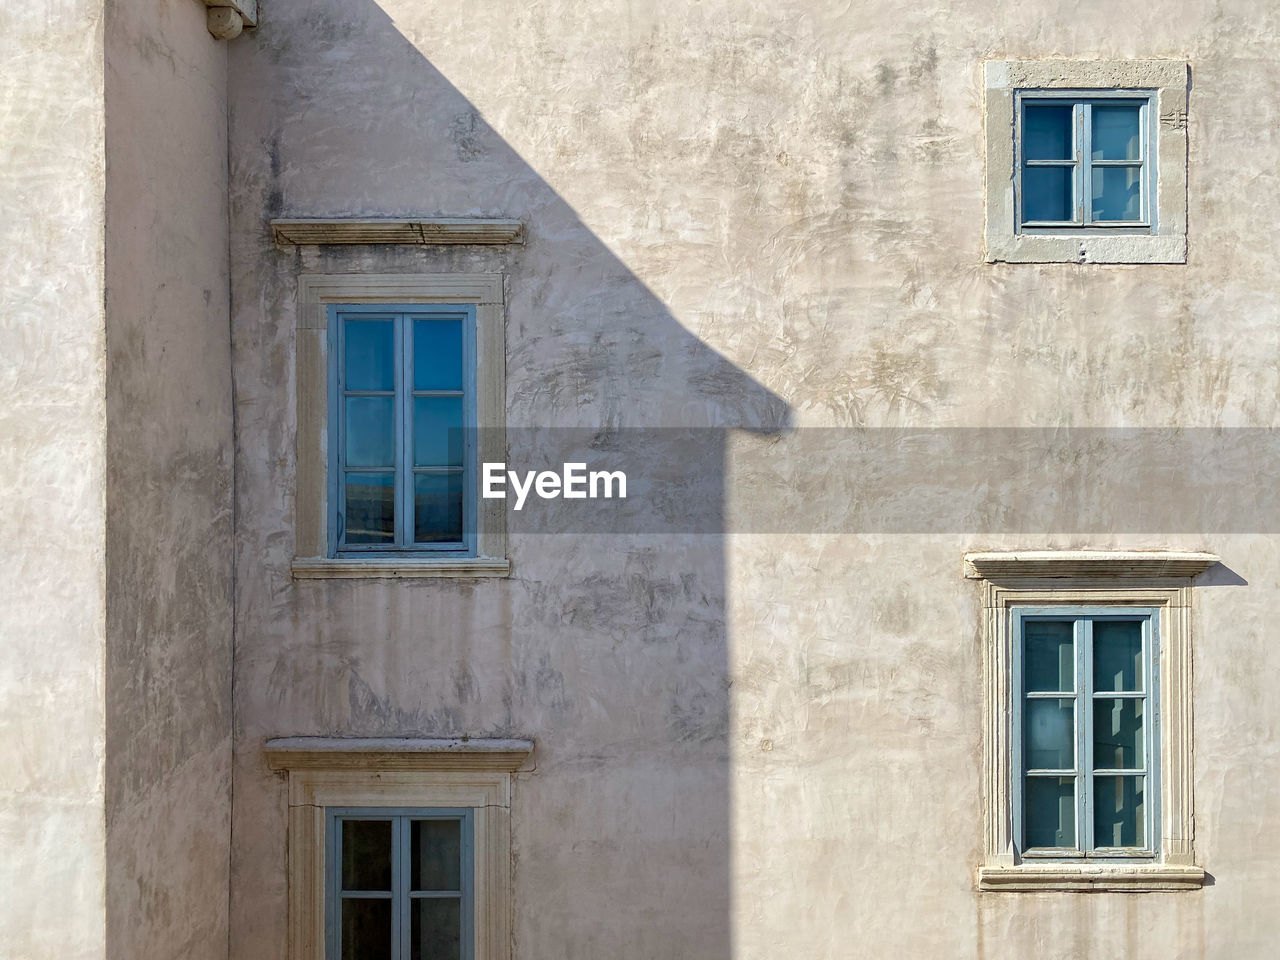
401,429
1086,161
399,884
1086,713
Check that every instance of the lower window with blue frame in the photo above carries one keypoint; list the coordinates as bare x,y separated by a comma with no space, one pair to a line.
399,884
1086,761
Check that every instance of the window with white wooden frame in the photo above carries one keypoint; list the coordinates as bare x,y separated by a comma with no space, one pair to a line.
402,429
400,884
1086,161
1086,707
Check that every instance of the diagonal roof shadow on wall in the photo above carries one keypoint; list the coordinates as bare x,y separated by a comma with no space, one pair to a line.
611,651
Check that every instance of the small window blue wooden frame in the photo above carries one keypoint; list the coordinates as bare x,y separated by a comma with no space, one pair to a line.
1085,162
1086,719
399,884
402,419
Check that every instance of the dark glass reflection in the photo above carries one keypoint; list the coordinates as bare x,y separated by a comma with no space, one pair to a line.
1047,132
1049,734
1047,193
369,515
1117,656
1117,734
436,855
435,929
366,929
1048,660
1118,812
366,855
437,508
370,355
1049,813
437,431
437,355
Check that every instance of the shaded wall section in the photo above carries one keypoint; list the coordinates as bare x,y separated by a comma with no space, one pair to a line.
168,485
51,491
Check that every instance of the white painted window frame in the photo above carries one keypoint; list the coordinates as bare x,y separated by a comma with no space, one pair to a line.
1122,581
1164,83
332,773
316,293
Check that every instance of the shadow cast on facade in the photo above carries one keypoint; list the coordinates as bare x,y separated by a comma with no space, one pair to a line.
609,649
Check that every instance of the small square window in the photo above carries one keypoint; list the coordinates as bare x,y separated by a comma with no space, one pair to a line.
1086,161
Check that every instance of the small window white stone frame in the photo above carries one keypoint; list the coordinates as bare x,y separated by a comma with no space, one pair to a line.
333,772
1157,579
315,293
1165,82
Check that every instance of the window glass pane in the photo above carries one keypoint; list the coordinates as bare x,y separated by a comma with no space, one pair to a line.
1118,812
370,428
436,929
366,855
1117,734
369,514
1049,816
1049,729
370,354
437,431
1117,655
436,852
366,929
1046,193
1117,193
1047,133
437,355
437,507
1115,133
1048,656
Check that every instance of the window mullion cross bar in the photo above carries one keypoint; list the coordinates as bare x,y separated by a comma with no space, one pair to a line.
1086,734
400,911
1084,177
404,425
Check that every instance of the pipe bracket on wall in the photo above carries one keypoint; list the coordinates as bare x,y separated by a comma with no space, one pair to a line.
227,18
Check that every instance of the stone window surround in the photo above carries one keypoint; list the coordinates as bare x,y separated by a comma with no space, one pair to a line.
1168,82
315,293
334,772
1159,579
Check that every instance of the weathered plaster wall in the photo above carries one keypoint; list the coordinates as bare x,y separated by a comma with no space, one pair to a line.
168,391
748,746
51,492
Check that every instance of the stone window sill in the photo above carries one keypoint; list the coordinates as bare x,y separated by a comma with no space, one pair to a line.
396,568
1091,877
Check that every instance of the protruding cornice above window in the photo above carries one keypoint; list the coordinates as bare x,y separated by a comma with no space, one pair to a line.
351,753
1086,563
227,18
476,230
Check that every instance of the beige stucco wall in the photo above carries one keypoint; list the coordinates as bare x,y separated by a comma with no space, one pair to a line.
168,390
52,491
747,746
